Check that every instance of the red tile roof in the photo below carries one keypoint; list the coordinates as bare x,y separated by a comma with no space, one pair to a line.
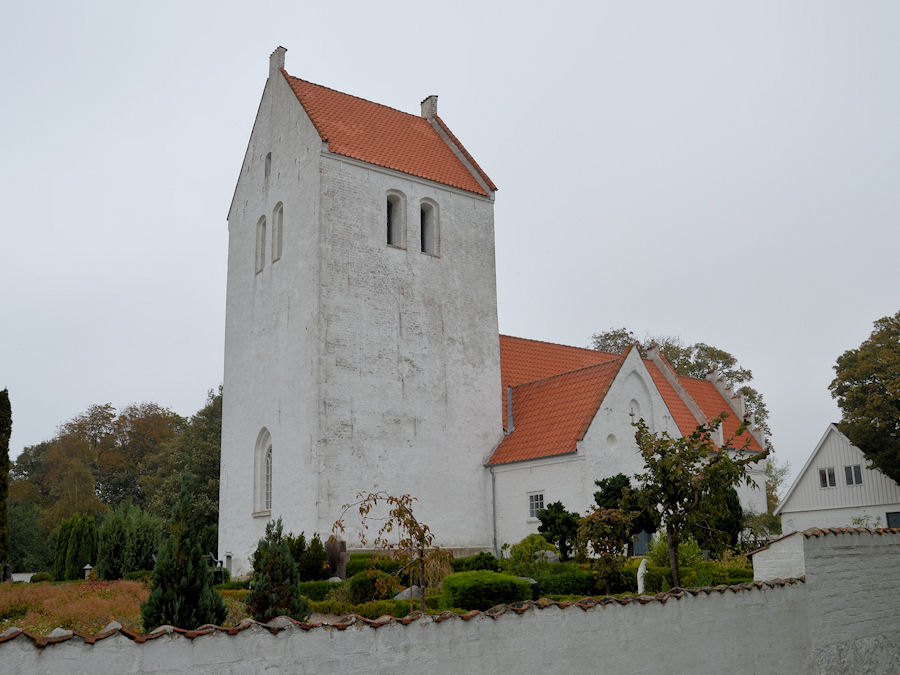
711,402
377,134
551,415
684,418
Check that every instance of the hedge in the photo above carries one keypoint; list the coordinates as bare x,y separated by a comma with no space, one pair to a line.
482,589
482,561
571,581
364,586
360,562
317,590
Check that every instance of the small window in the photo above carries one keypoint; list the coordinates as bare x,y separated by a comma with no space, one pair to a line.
827,477
396,219
428,227
268,169
262,474
853,474
277,231
260,244
535,504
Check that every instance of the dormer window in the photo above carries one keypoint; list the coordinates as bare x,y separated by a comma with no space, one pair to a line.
396,219
428,227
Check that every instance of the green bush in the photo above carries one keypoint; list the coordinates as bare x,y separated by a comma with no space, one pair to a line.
139,575
41,576
482,589
481,561
365,586
127,541
76,546
565,579
689,554
521,559
317,590
275,586
359,562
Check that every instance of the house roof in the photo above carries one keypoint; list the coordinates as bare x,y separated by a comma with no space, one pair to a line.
551,415
557,390
374,133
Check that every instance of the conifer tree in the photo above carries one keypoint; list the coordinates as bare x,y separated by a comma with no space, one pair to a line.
275,579
181,590
5,432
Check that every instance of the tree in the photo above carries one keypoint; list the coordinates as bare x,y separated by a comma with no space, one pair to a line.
719,527
867,389
605,533
679,472
616,492
693,360
181,589
5,433
414,546
275,591
560,526
30,549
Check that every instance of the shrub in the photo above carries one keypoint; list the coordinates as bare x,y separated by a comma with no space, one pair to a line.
127,541
41,576
181,592
275,585
372,585
689,554
482,589
359,562
139,575
565,579
76,546
521,559
481,561
317,590
313,562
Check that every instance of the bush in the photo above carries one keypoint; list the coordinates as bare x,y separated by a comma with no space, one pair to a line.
372,585
127,541
689,554
482,589
359,562
521,559
76,546
317,590
482,561
565,579
275,584
313,562
41,576
181,592
139,575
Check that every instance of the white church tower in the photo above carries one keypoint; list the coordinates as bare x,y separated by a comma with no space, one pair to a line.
361,340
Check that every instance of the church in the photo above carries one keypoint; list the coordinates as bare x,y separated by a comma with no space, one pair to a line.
362,349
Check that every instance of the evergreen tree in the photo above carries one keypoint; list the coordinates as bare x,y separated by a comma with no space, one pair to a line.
181,592
62,545
275,578
5,432
313,562
559,526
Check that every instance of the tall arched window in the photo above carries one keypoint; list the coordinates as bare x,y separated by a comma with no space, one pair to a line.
396,219
429,231
262,473
277,230
260,244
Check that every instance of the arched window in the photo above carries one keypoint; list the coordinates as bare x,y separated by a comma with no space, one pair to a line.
277,231
262,473
428,227
268,169
396,219
260,244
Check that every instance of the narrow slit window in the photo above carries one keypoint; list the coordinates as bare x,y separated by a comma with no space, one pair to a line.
395,219
268,169
260,244
428,228
277,231
268,488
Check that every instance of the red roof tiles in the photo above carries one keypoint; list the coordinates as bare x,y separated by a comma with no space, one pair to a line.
377,134
551,415
711,402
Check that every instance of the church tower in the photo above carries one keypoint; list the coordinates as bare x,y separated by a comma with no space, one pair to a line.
361,340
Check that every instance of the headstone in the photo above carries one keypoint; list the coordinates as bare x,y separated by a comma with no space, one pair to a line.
336,548
641,573
546,556
413,590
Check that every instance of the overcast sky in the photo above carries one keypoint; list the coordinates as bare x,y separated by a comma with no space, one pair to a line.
723,172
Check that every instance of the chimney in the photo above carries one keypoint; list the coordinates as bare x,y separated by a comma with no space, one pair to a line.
429,107
276,61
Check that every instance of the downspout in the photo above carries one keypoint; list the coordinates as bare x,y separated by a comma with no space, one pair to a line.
494,510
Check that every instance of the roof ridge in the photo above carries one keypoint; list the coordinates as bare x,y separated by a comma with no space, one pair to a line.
620,358
358,98
559,344
465,153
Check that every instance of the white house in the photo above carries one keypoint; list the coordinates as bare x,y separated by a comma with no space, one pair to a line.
835,487
362,349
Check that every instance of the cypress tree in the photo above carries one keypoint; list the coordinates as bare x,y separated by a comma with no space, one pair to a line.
5,433
181,592
62,545
275,579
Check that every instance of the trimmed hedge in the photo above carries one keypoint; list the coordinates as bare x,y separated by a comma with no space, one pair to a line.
317,590
41,576
482,561
363,587
359,562
560,580
482,589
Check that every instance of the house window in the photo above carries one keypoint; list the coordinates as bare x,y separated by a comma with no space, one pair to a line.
535,504
260,244
853,474
827,478
262,474
396,219
277,231
428,227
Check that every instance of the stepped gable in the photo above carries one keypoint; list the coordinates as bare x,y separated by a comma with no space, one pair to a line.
711,402
374,133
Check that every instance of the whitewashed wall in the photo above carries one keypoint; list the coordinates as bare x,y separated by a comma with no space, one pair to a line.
843,619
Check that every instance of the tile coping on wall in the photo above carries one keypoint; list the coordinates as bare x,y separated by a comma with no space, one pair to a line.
281,623
824,532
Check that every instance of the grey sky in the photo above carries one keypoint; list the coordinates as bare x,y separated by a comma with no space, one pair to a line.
723,172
